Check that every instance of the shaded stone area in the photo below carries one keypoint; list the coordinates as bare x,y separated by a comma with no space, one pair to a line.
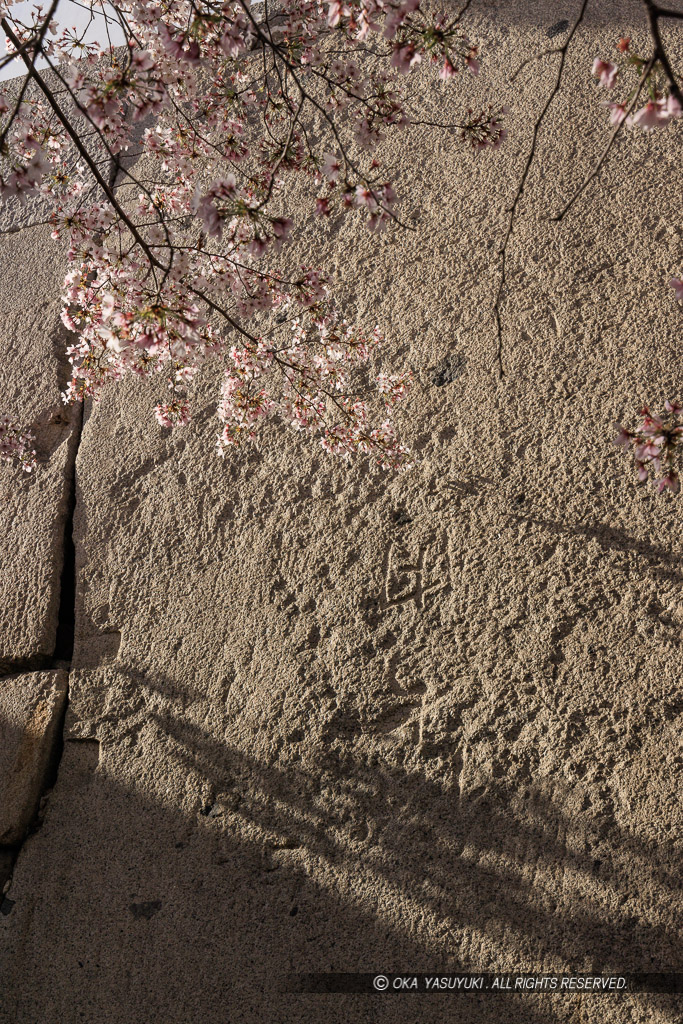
319,866
558,28
449,370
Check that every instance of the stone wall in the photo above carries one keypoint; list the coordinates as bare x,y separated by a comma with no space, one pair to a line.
324,718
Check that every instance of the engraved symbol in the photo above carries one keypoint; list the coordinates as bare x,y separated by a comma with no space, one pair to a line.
419,591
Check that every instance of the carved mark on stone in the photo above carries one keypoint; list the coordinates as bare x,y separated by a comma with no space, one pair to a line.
419,591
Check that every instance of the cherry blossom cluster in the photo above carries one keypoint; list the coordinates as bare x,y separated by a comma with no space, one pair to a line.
413,35
484,129
16,446
661,107
314,389
171,259
655,443
656,439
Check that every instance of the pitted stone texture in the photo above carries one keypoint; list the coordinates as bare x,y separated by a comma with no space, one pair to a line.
33,508
323,718
31,709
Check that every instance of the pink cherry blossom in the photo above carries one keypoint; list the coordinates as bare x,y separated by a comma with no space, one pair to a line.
366,197
617,112
606,72
656,442
650,116
673,106
404,58
447,71
672,481
16,445
331,167
623,438
172,414
397,13
660,109
335,11
499,139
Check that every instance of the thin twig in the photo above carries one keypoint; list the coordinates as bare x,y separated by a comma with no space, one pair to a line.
512,209
593,173
535,56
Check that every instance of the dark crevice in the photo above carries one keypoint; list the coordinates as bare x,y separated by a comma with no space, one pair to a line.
51,771
18,666
66,615
10,854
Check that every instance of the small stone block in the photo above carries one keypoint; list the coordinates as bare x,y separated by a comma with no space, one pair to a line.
31,707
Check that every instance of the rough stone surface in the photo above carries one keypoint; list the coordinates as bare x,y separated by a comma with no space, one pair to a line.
31,711
322,718
33,508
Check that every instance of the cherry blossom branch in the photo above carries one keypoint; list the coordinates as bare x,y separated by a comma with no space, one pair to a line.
278,163
21,51
593,173
659,57
110,157
654,13
108,190
16,445
31,41
305,96
656,442
114,168
144,293
83,152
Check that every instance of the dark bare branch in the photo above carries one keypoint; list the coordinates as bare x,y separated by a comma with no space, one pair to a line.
654,13
593,173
